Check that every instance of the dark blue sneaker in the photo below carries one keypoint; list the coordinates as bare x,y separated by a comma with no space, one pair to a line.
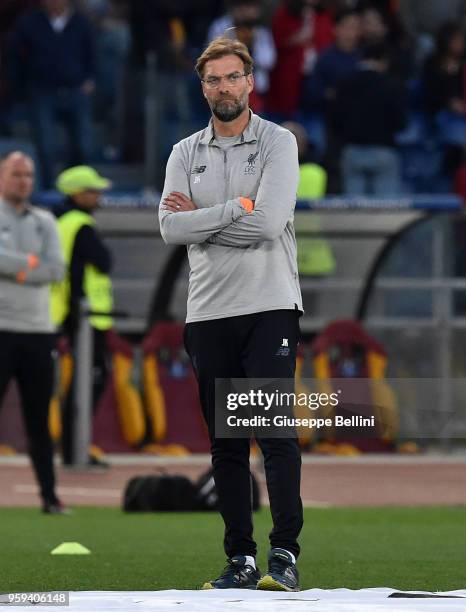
236,575
54,506
282,574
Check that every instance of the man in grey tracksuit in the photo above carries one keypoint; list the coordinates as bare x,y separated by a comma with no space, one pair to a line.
30,259
229,195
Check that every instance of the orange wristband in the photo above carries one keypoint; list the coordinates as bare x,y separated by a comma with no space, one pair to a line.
33,261
21,276
247,204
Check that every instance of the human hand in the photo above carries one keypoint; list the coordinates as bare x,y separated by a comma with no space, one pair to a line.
178,202
21,277
88,87
33,261
457,106
247,204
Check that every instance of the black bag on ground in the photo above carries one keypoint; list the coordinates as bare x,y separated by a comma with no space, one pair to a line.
165,493
207,497
160,493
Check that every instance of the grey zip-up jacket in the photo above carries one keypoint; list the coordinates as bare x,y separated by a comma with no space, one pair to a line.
24,307
239,263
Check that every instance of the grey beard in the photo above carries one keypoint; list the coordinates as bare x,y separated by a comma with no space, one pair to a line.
229,113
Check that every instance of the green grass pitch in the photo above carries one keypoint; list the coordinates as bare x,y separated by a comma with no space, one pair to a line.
403,548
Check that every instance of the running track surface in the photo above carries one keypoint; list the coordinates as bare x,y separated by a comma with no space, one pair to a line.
359,481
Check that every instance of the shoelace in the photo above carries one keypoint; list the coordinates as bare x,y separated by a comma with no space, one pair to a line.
277,565
232,569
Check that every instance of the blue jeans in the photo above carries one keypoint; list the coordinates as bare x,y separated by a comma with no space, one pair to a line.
72,107
370,170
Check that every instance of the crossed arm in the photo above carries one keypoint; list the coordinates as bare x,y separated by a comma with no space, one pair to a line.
35,268
230,224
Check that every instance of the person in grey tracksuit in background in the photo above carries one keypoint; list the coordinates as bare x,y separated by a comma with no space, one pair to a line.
30,259
229,195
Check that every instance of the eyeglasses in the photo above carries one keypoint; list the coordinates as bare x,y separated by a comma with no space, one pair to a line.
232,79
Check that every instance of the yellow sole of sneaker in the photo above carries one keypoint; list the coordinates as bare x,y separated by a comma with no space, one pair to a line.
267,583
206,586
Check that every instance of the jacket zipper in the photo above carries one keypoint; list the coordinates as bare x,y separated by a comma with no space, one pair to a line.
225,175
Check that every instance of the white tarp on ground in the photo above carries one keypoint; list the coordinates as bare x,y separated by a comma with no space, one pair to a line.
313,600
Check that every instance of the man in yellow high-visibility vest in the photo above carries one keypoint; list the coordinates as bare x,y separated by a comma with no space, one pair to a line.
315,257
88,262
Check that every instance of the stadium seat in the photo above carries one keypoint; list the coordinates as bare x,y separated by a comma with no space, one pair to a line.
344,350
170,390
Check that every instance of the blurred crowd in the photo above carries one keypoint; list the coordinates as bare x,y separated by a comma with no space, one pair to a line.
377,85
